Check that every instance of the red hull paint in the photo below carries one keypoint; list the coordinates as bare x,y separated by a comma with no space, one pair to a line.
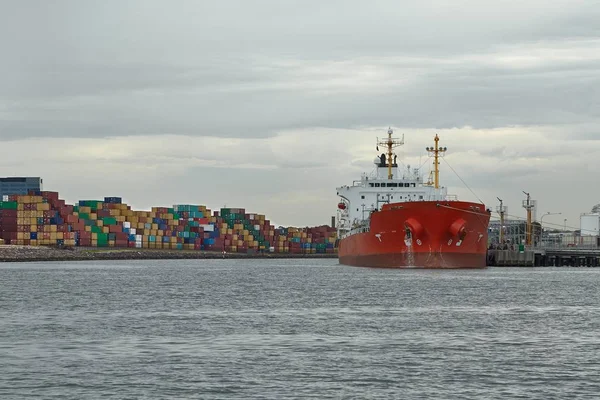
435,228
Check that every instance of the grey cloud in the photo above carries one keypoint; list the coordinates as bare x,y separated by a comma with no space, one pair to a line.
240,69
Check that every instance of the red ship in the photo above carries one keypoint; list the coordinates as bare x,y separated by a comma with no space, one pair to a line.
393,219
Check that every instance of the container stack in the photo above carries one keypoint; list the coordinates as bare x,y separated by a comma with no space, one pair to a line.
36,219
41,218
113,224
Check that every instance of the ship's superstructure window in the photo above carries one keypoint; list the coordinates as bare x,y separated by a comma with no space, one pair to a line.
362,197
371,184
377,185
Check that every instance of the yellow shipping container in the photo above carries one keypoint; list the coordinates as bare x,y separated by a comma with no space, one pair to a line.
93,216
20,235
155,226
53,236
33,228
20,207
44,207
33,221
255,243
111,243
115,213
100,223
151,245
85,210
52,228
94,236
145,245
213,220
173,239
88,228
121,218
105,229
94,243
20,214
60,235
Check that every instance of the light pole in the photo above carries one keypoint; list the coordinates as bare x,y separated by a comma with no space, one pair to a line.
565,225
542,219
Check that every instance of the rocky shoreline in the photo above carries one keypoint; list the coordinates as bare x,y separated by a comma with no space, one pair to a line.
10,253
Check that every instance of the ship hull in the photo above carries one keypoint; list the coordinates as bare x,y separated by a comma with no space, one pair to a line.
425,234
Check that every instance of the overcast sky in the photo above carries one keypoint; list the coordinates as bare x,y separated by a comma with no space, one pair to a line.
271,104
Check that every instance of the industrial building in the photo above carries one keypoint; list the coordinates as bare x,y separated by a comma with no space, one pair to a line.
19,185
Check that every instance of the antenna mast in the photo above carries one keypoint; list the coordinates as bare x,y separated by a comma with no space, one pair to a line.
436,152
529,205
501,210
390,143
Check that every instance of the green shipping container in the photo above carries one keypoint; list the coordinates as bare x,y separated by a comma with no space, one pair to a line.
109,221
8,205
102,240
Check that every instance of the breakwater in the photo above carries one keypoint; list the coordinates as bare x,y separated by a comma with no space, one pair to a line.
15,253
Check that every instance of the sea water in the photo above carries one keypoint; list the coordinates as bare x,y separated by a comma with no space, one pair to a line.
288,329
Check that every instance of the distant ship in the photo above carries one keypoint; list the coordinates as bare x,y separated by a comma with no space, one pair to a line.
393,219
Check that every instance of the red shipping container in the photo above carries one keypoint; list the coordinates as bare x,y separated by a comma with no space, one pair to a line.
122,236
115,228
103,213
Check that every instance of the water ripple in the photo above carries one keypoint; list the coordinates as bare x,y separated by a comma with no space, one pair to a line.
287,329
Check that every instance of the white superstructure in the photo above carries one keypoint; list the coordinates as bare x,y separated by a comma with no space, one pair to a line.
387,183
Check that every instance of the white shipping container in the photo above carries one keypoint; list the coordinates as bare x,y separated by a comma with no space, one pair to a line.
257,227
4,198
138,238
590,224
132,231
208,228
127,224
138,245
